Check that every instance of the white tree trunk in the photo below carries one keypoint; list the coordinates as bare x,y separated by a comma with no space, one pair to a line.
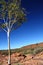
9,55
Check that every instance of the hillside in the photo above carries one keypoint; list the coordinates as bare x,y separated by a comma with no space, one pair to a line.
27,55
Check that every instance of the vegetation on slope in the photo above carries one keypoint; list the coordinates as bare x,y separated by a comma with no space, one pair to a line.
25,50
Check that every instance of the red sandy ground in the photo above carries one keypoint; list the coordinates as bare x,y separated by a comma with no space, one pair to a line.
29,59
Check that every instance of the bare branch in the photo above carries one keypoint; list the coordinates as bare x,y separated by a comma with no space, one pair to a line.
15,27
9,19
13,22
4,20
4,29
5,23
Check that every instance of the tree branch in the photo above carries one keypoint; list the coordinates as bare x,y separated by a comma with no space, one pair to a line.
4,29
13,23
6,23
9,20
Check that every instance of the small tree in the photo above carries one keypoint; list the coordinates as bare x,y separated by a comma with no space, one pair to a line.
12,16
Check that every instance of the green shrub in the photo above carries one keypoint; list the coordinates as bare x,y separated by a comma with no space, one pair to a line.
38,50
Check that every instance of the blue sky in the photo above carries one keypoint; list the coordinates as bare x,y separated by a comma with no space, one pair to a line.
31,31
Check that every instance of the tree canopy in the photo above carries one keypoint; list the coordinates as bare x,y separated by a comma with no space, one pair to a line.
11,13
